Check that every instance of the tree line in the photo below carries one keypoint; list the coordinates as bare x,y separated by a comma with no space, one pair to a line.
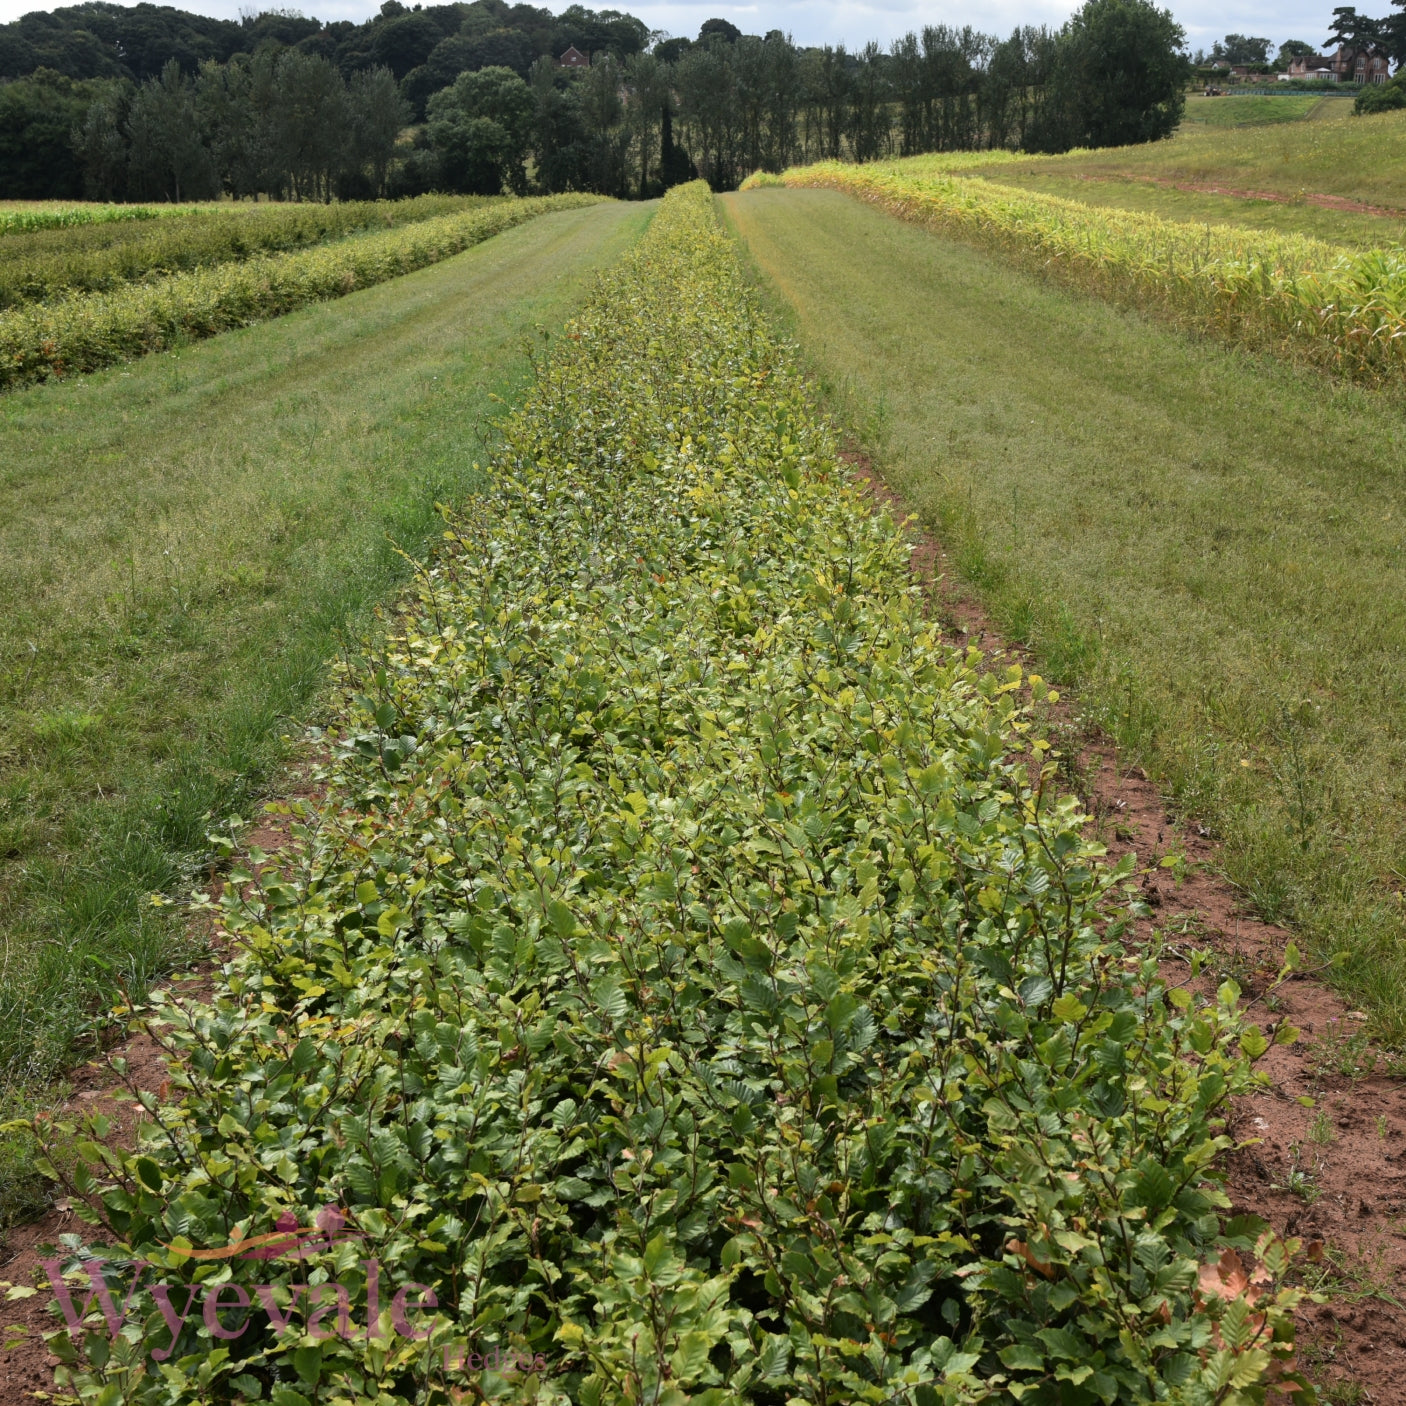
103,40
285,125
287,122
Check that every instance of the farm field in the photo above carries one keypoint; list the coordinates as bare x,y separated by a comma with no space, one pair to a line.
693,985
104,254
1207,544
1328,153
22,216
185,538
1336,308
84,329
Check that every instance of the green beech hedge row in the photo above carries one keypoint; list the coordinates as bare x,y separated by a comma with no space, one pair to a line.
685,979
84,332
100,256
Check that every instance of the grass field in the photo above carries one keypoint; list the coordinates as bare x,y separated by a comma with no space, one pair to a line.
1256,109
1210,545
1327,152
185,539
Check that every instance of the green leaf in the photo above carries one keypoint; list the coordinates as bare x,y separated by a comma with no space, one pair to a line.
1022,1357
307,1362
1252,1042
562,919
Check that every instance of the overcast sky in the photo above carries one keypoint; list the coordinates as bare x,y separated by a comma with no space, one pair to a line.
855,22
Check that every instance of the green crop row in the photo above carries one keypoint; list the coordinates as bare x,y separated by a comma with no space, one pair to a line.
1343,310
692,988
99,257
84,332
24,218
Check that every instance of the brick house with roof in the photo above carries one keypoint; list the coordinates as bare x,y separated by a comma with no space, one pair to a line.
573,58
1351,64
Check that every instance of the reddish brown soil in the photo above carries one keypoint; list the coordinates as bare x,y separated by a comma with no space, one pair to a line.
1326,202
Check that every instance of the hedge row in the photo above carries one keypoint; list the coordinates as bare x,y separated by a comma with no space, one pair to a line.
1340,309
23,219
694,988
99,257
88,331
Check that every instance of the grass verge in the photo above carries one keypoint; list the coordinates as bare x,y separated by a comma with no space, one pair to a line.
186,542
695,985
1209,545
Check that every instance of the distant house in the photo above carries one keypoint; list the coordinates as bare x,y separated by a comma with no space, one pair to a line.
573,58
1351,64
1362,65
1313,67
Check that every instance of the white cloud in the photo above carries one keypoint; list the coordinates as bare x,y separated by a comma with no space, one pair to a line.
855,22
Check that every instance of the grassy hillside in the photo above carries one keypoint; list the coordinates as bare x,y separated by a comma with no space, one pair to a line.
1209,544
1257,109
1265,175
184,539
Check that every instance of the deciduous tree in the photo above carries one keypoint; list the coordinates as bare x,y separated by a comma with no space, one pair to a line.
480,128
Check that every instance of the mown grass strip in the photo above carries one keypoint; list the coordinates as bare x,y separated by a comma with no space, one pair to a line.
1345,310
688,981
87,331
99,257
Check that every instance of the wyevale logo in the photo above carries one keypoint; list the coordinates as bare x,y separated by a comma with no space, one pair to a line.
228,1310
